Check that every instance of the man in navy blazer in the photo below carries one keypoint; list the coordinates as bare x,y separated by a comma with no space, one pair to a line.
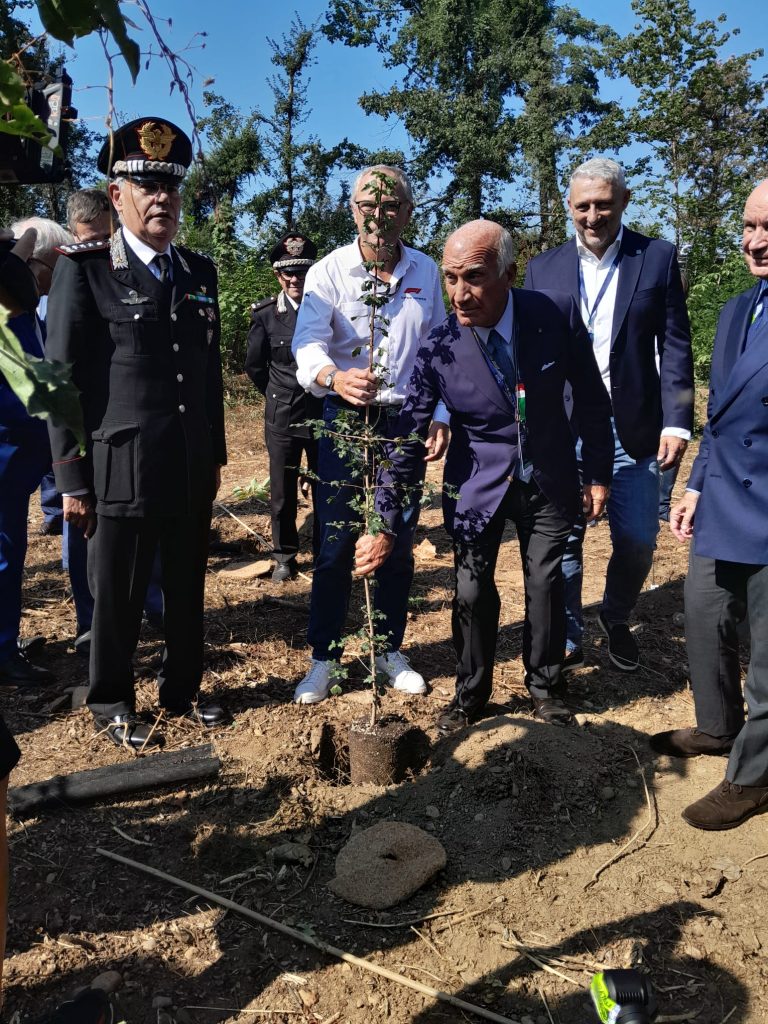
500,363
630,294
725,510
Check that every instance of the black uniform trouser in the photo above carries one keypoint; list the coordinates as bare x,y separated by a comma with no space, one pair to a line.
120,556
285,452
542,532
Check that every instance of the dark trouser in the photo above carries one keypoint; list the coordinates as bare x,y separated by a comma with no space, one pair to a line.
25,456
712,617
339,528
285,452
120,556
667,480
74,559
738,586
542,533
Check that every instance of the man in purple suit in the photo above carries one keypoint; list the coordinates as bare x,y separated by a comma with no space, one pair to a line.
500,363
630,294
725,510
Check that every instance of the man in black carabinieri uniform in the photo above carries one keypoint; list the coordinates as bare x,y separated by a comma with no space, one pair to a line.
138,320
271,366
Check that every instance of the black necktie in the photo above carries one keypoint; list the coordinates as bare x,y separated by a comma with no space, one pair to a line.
163,264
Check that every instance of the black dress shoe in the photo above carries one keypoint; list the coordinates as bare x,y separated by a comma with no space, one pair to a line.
17,671
573,659
129,731
622,646
83,644
689,743
451,720
52,528
31,644
552,710
207,715
285,571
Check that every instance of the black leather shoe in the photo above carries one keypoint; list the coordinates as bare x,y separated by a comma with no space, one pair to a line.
17,671
285,571
31,644
129,731
451,720
573,659
52,528
552,710
622,646
689,743
208,715
82,644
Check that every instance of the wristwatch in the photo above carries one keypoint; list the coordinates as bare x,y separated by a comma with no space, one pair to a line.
329,378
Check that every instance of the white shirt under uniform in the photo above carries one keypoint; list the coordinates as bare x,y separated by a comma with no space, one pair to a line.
594,273
333,321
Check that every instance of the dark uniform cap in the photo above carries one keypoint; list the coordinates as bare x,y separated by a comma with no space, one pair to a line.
149,147
293,250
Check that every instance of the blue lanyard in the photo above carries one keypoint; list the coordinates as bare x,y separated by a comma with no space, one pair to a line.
604,288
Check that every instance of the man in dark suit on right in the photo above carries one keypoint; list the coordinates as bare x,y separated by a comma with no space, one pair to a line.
725,510
630,294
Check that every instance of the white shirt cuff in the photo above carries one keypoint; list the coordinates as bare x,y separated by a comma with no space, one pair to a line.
441,414
76,494
684,435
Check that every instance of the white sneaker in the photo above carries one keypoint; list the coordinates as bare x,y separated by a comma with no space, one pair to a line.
399,672
316,683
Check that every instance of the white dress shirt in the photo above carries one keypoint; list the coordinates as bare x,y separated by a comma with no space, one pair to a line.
333,321
594,271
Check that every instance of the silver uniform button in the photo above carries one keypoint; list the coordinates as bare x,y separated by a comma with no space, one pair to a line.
182,408
179,377
137,316
173,316
175,347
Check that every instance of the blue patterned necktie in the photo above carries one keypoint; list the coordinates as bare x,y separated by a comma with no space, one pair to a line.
501,353
758,328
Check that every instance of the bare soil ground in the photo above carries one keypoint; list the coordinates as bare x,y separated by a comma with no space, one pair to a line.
527,813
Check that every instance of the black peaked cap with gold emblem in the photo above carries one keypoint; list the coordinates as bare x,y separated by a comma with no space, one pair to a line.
293,250
149,147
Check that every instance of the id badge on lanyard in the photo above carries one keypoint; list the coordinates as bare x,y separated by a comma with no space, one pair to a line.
592,313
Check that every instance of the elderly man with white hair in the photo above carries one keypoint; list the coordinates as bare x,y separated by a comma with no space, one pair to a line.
630,294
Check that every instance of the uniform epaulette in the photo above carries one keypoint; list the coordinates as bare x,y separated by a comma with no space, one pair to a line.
256,306
195,252
78,248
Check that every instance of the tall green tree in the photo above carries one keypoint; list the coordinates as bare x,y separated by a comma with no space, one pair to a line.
461,64
562,108
700,116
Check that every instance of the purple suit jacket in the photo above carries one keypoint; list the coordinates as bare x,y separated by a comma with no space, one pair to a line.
552,347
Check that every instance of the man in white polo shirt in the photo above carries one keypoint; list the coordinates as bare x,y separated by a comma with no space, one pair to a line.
330,347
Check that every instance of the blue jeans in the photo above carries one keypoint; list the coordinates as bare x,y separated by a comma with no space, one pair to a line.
339,529
633,510
50,499
25,456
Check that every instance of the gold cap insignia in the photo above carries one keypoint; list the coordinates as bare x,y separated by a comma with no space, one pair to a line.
155,140
294,246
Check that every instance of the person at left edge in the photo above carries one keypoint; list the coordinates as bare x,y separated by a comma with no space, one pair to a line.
270,364
24,457
138,320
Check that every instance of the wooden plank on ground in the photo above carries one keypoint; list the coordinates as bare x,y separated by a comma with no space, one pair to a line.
114,780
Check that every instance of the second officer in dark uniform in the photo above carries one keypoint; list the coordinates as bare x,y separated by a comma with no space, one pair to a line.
272,368
138,319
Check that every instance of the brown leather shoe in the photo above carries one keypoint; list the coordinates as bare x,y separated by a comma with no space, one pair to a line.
726,806
689,743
